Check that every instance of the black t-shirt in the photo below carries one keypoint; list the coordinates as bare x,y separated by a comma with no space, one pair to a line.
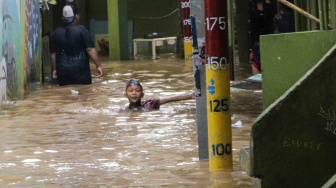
72,61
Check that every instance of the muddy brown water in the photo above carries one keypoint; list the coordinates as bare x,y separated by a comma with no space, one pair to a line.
54,138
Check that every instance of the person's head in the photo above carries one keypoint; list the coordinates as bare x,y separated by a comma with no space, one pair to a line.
70,13
134,91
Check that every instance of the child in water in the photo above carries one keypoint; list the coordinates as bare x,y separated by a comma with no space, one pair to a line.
134,93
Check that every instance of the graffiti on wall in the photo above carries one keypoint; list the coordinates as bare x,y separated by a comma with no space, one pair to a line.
10,24
31,43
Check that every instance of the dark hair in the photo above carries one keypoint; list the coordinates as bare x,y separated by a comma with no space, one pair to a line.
133,82
74,7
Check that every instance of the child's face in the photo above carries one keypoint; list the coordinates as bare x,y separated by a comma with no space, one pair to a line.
134,93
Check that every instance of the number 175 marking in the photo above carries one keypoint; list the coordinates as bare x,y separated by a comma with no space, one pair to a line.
213,21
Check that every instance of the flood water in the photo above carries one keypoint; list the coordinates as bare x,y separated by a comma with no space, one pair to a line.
54,138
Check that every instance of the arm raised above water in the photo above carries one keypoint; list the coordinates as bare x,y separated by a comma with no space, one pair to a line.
186,96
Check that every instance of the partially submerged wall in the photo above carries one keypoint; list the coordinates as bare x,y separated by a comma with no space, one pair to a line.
19,42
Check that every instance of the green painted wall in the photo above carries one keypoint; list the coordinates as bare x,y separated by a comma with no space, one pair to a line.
155,16
117,27
293,140
123,27
287,57
333,14
113,29
147,16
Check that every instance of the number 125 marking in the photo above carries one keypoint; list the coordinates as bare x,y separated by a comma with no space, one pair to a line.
219,105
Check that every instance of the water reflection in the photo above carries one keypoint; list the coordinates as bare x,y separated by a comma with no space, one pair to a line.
57,138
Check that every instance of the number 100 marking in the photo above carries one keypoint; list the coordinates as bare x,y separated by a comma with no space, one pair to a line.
220,149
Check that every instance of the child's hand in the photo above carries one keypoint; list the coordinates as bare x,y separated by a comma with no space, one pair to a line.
192,95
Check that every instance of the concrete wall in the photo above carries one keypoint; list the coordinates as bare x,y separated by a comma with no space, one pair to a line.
287,57
96,9
19,47
163,17
292,141
117,28
96,17
150,16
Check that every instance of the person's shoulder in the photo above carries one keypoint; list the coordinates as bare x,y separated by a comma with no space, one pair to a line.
152,103
81,27
76,26
57,31
59,28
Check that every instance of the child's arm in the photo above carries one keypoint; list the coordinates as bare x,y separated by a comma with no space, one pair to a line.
177,98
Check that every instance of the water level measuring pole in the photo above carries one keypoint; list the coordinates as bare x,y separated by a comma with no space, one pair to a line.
218,85
187,36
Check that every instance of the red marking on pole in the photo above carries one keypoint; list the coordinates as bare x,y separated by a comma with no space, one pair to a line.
216,38
185,6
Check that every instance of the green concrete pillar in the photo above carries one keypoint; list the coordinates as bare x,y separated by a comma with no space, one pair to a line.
333,14
321,15
304,20
117,28
313,10
297,17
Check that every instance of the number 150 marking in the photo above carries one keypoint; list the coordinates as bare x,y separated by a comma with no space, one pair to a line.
215,20
215,63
